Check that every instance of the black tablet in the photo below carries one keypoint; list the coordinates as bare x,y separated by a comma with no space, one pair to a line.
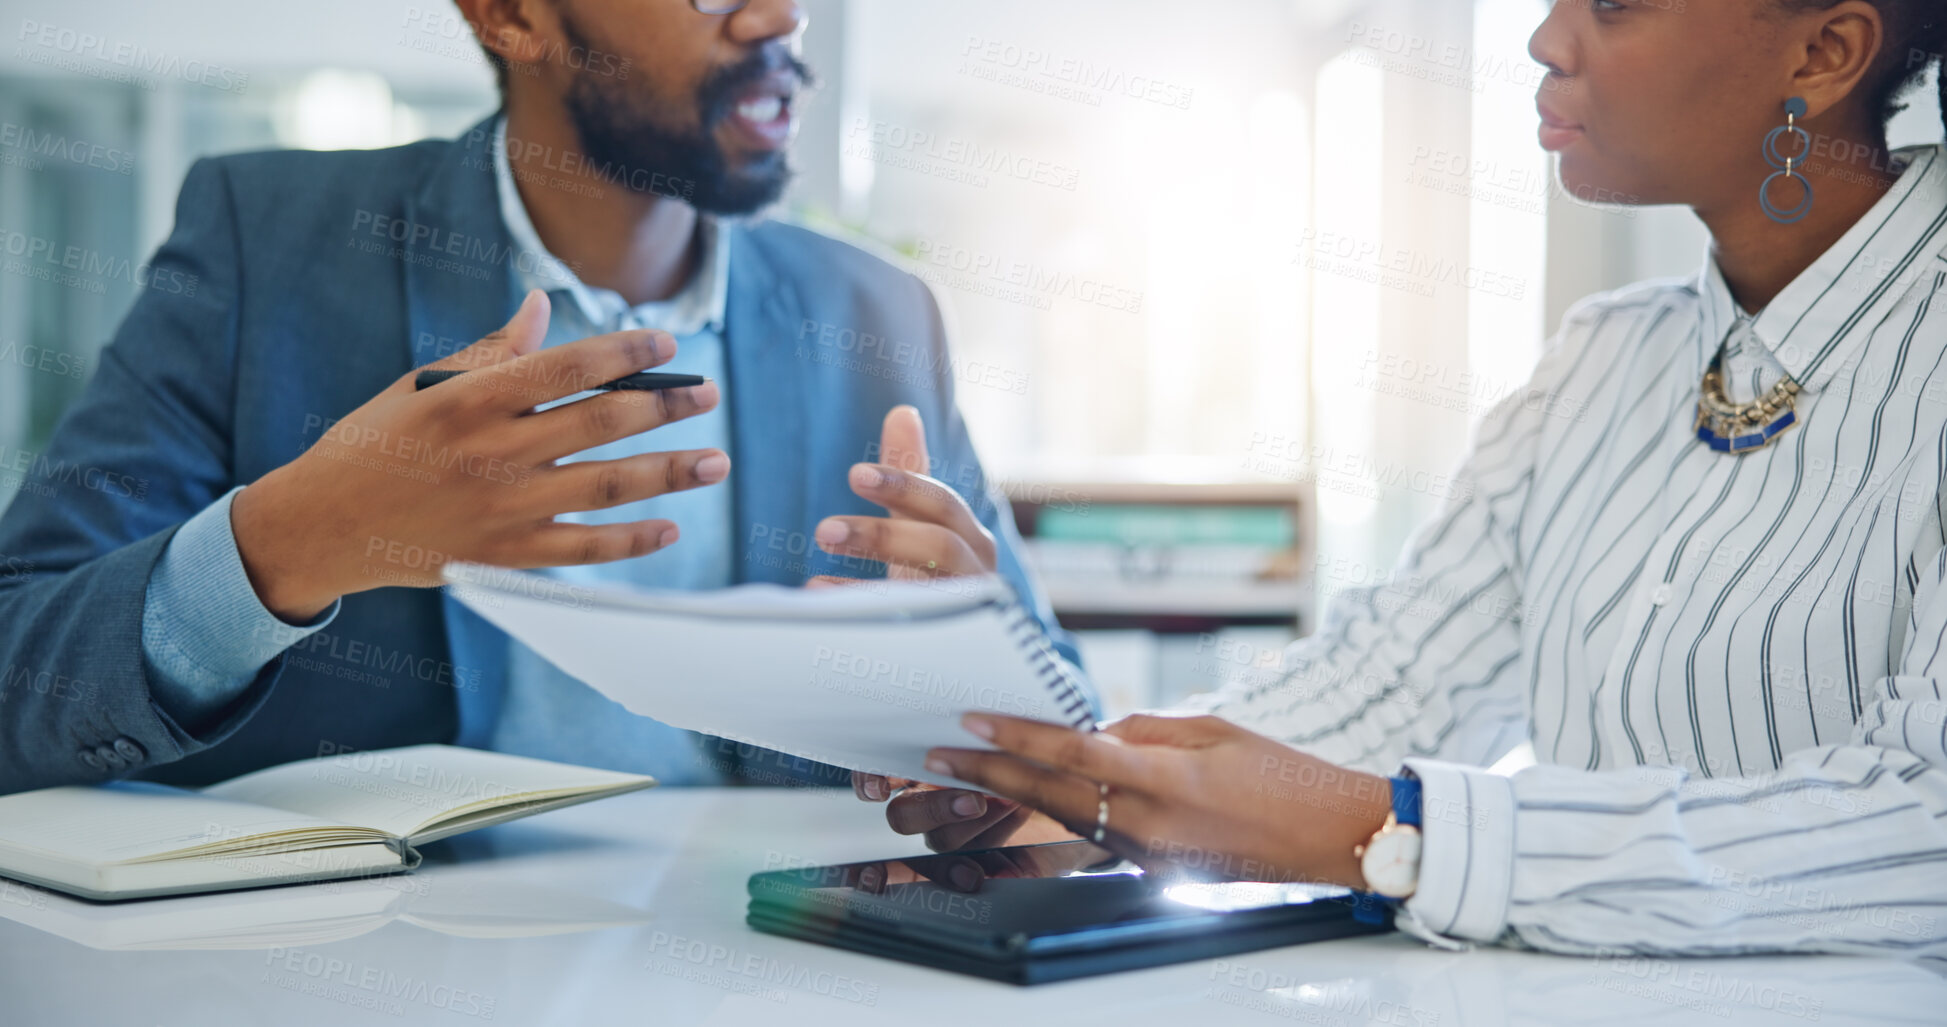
1030,914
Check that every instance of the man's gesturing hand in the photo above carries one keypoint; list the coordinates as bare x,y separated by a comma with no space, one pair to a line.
466,471
929,531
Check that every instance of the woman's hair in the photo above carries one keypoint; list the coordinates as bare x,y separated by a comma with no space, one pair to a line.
1916,36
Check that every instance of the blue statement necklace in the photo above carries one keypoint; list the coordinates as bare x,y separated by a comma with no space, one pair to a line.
1740,428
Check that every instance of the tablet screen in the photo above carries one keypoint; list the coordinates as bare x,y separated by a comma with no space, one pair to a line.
1023,896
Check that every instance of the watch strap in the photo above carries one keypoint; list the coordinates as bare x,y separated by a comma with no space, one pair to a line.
1406,800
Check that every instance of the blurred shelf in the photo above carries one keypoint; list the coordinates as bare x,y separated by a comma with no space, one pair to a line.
1267,600
1168,557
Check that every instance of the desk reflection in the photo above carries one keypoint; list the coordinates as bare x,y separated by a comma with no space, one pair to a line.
463,901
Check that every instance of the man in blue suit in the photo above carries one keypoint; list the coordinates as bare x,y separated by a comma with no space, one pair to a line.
234,533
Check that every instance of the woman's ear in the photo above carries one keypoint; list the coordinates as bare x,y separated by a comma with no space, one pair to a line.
1842,45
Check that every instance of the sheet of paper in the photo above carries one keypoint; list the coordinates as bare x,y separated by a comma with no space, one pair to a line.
868,679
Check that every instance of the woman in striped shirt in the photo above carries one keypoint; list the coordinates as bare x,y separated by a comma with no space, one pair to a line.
1712,598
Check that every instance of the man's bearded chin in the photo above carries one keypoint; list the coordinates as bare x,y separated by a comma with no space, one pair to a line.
619,131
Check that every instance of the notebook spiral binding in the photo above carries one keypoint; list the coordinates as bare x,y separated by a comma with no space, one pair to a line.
1068,692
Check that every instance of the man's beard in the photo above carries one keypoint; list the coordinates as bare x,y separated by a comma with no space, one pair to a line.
619,129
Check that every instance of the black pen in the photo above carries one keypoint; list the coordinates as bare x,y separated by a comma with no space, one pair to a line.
641,381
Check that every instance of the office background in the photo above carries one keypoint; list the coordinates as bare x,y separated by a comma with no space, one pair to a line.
1264,255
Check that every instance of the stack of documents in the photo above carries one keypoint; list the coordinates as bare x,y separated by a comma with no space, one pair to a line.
868,676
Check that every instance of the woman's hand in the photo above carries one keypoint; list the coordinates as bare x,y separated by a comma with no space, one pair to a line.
1192,793
954,819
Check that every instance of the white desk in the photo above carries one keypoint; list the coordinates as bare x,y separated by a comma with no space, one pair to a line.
669,864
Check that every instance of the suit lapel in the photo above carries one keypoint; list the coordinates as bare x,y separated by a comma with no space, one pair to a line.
459,264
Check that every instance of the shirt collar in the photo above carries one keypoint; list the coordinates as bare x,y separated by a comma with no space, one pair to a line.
1811,327
699,305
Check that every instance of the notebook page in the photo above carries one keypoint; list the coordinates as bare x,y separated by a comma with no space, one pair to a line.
132,821
870,695
398,791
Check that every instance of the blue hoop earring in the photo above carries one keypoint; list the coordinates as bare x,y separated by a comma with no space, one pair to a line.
1794,109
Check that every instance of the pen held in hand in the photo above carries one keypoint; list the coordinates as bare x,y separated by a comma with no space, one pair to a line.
642,381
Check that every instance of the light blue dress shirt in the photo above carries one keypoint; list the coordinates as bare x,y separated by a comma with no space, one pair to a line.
546,713
206,635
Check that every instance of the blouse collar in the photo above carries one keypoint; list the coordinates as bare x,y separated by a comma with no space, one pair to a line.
1811,328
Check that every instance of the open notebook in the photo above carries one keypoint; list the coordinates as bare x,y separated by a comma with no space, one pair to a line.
867,676
336,816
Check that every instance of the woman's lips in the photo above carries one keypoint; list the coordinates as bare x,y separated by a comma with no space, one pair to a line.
1556,132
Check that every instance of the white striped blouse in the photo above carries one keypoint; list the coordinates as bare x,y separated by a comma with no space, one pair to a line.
1731,666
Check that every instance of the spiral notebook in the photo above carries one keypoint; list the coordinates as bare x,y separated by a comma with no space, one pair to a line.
867,677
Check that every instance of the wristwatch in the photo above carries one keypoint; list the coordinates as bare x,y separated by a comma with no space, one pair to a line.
1390,859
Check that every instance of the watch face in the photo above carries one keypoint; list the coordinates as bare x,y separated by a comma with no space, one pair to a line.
1392,861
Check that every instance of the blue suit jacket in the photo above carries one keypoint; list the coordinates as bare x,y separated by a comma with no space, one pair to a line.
297,285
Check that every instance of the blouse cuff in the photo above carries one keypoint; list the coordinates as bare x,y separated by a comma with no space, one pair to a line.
1467,854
